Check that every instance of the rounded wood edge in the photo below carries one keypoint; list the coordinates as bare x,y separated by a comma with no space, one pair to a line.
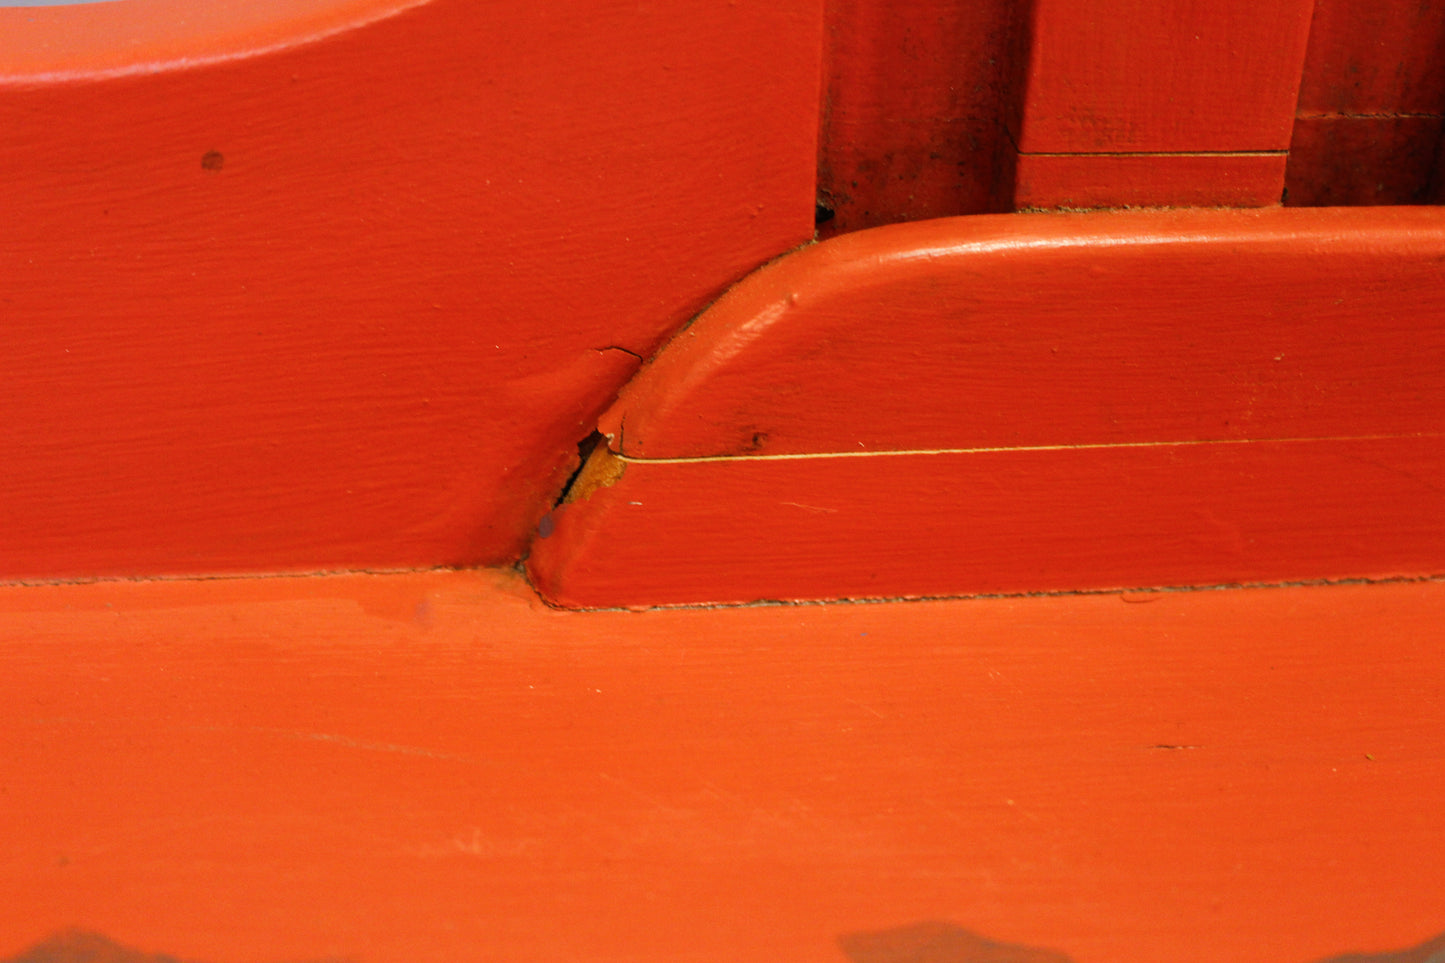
101,41
656,415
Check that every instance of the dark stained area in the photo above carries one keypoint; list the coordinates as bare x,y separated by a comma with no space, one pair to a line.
81,946
935,942
912,122
938,942
1432,951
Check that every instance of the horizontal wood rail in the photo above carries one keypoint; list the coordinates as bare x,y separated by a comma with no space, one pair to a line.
1047,403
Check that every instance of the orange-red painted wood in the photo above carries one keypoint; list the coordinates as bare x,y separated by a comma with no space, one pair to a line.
1111,76
1374,58
1371,104
1003,521
1143,78
912,117
432,768
51,41
1148,180
335,285
1019,404
1354,160
1062,330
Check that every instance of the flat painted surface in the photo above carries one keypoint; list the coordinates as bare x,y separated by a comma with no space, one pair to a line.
1362,160
1106,328
1374,58
1162,90
998,521
429,768
1371,104
912,115
352,302
1137,75
48,3
1148,180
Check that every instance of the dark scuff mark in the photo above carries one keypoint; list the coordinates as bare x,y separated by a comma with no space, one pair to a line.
627,351
81,946
212,160
752,441
936,942
1431,951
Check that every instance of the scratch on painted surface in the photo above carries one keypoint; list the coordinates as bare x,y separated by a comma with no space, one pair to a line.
351,743
475,843
813,508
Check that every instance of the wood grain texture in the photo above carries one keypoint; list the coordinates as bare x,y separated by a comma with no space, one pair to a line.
1136,75
1374,58
431,768
350,297
1055,329
1023,404
1371,104
912,118
1148,180
1005,521
1169,85
1356,160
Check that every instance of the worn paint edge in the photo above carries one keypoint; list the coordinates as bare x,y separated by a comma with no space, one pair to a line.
245,576
603,469
1158,591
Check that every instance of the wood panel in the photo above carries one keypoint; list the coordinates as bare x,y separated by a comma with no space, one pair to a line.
347,288
1374,58
1371,104
912,118
1157,79
1005,521
1147,180
430,768
1338,160
1114,76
